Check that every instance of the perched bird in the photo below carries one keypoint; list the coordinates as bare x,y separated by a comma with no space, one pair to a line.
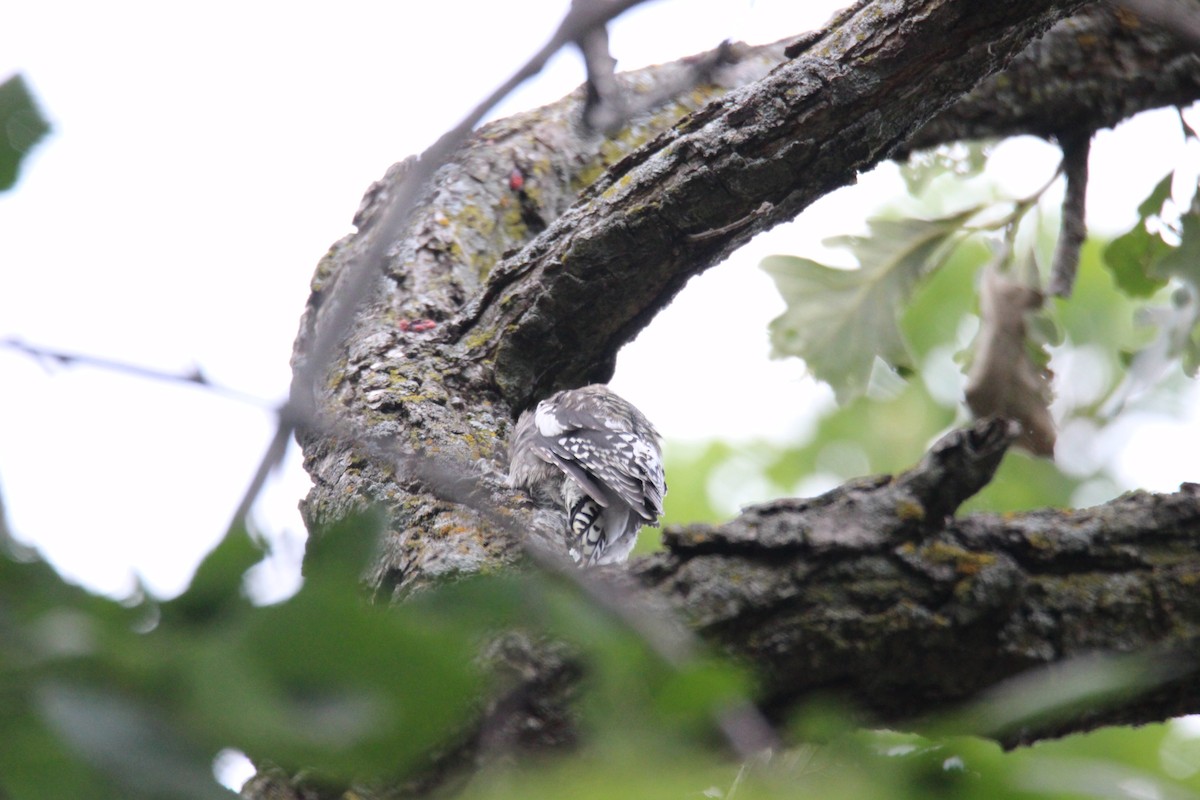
600,459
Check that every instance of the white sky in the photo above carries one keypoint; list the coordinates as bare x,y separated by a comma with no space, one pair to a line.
203,158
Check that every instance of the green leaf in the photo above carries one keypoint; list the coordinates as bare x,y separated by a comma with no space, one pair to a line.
216,588
21,127
341,689
328,682
696,694
1133,258
840,320
35,762
1177,324
1152,205
1183,261
340,550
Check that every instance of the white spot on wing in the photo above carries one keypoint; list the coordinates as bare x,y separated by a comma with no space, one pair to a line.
547,421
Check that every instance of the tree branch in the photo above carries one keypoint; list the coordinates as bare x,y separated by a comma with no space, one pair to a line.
1090,71
779,144
904,627
1073,231
873,595
194,377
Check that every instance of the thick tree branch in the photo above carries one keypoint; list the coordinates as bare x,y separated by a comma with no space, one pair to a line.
763,154
700,200
1090,71
873,595
905,626
445,329
1181,17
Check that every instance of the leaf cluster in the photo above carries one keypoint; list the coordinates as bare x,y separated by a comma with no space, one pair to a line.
846,324
135,700
102,699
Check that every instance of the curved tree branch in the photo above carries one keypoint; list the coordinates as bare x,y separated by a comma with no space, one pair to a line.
1090,71
758,158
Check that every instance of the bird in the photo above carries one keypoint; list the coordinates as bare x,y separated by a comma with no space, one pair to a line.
597,457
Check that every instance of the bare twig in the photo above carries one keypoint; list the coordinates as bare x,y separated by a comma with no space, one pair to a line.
1075,149
763,209
604,109
276,450
608,105
195,377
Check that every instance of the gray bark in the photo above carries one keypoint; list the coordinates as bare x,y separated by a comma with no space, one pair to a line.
874,593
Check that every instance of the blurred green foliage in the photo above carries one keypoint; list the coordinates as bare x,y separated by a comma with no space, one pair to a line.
101,699
21,127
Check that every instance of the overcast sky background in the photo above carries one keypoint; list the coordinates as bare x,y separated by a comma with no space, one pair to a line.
204,157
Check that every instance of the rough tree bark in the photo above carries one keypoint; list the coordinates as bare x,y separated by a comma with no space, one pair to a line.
875,593
543,248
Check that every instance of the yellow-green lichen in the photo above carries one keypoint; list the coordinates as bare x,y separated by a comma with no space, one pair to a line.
588,175
1190,578
478,338
965,562
512,225
910,511
472,217
1040,541
618,185
336,376
479,444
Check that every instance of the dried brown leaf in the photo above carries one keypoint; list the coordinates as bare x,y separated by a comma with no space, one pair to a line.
1004,380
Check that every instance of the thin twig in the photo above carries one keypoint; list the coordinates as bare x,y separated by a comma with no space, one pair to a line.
352,288
193,378
1021,207
581,18
276,451
604,108
1075,149
764,208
